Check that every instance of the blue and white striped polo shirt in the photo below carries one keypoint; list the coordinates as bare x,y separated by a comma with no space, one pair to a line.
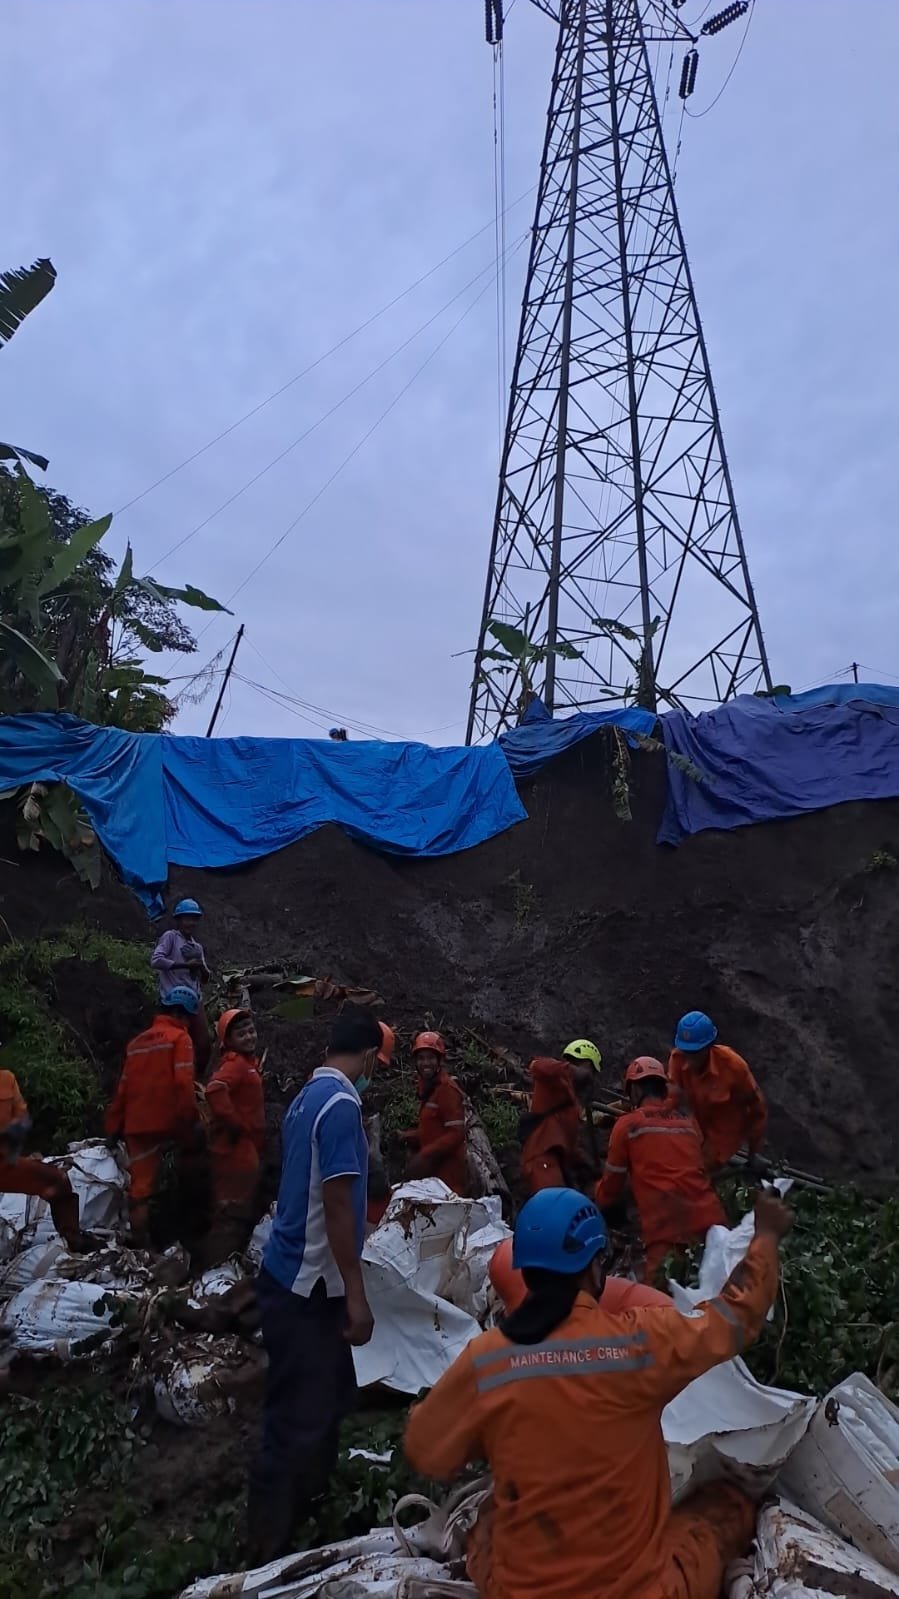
321,1137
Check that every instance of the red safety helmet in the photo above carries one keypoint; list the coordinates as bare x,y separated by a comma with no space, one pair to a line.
644,1066
429,1041
388,1044
225,1021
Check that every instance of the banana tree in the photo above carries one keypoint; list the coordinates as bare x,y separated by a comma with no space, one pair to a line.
643,689
516,652
20,291
46,585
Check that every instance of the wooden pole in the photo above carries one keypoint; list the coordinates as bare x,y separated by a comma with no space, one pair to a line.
228,670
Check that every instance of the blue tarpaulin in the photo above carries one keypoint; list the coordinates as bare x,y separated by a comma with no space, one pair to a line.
156,799
766,759
540,738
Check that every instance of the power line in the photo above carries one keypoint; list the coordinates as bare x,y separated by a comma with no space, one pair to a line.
310,504
325,416
316,715
334,716
276,393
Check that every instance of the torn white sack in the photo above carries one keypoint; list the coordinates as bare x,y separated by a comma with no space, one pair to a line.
425,1270
97,1180
798,1558
846,1469
372,1567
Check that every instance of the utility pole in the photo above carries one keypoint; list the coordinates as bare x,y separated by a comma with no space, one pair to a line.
616,533
855,671
228,670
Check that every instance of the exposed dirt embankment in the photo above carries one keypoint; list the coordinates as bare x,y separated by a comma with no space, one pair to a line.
576,923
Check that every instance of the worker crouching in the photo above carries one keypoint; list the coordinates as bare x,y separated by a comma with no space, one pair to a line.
155,1102
550,1131
657,1146
235,1099
564,1401
24,1175
439,1138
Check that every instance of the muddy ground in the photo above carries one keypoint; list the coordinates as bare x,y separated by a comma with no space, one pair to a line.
572,923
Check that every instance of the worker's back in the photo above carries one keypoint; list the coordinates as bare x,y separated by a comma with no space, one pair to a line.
157,1084
570,1454
672,1189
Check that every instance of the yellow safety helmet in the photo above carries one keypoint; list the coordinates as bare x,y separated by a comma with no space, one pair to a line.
582,1049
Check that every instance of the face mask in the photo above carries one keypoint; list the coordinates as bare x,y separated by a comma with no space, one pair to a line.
362,1084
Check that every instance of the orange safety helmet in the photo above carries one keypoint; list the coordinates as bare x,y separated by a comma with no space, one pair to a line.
429,1041
506,1280
644,1066
225,1020
388,1044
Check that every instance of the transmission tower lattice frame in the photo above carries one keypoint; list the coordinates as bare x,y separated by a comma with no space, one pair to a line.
616,533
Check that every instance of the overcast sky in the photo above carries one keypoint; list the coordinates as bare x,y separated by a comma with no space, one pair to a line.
229,187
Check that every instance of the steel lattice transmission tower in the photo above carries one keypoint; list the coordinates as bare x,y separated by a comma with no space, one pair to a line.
615,498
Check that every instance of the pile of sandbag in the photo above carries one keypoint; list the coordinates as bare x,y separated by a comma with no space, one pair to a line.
422,1562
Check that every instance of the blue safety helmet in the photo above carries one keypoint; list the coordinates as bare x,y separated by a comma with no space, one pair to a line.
695,1031
184,996
187,907
558,1230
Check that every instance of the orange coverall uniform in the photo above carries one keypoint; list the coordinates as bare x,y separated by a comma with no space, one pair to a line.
549,1150
659,1147
155,1101
440,1135
726,1101
572,1431
26,1176
235,1098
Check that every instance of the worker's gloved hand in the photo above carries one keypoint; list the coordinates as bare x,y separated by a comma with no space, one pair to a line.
112,1141
234,1134
15,1134
409,1138
756,1166
772,1216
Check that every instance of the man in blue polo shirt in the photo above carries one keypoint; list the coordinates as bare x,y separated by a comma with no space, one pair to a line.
310,1289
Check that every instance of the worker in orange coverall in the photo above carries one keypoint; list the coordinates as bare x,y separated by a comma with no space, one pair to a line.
32,1176
658,1146
439,1138
155,1101
564,1401
550,1131
235,1099
719,1089
619,1293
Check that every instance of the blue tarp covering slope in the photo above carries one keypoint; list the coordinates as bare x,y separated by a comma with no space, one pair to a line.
767,759
540,738
157,800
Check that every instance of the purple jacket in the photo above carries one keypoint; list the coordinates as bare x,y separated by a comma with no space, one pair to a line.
169,963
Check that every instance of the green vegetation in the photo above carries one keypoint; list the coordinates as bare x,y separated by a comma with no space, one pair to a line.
837,1308
56,1077
72,1520
524,898
73,1443
400,1111
500,1118
882,860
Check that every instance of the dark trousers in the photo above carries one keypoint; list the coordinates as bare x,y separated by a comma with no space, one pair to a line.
310,1387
